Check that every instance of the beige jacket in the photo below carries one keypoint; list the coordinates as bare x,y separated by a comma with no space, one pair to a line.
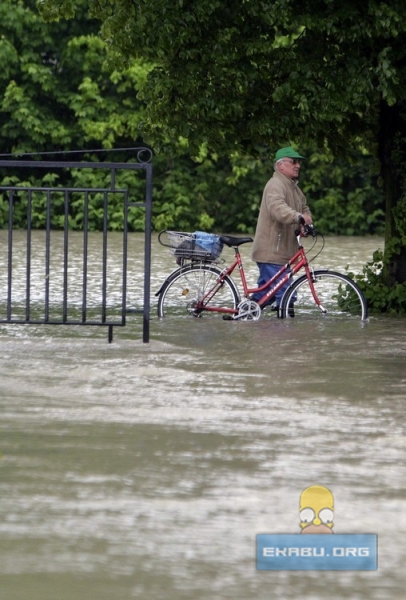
282,204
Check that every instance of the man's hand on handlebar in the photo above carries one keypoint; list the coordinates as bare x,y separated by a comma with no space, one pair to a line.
308,230
306,225
305,219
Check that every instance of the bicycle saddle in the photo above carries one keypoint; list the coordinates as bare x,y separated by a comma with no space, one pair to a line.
234,241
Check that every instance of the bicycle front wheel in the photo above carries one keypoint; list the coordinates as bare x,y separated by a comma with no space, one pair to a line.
181,293
337,296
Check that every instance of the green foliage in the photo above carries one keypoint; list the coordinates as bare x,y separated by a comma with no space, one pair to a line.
345,197
247,75
344,200
212,193
381,298
59,93
208,193
58,96
379,278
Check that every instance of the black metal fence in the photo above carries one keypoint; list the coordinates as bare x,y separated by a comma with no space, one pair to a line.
78,285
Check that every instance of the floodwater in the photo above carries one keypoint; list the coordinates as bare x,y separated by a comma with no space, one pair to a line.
146,471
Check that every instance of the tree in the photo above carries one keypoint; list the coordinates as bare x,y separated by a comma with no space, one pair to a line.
57,97
55,93
252,75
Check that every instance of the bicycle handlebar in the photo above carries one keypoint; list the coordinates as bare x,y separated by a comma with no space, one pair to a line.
310,230
306,230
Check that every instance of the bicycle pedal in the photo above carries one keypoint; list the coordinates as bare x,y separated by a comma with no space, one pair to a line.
228,318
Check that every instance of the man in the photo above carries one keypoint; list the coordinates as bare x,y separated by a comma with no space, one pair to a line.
283,208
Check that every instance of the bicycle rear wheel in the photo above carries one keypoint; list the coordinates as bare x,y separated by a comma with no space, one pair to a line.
339,296
180,294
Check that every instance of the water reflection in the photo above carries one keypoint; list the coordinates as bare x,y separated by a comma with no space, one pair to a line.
144,471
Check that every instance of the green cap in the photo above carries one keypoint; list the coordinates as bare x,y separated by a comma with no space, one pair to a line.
288,152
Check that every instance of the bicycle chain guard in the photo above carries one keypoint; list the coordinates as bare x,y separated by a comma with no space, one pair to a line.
248,310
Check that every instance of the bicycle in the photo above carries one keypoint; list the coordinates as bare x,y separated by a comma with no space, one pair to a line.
200,287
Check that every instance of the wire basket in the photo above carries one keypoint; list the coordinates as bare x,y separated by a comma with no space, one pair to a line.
200,246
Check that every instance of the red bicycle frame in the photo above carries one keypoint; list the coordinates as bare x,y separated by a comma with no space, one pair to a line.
297,262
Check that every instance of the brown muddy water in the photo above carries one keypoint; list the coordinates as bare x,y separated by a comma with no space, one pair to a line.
145,471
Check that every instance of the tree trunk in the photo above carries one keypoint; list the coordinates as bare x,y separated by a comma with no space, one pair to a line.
392,155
